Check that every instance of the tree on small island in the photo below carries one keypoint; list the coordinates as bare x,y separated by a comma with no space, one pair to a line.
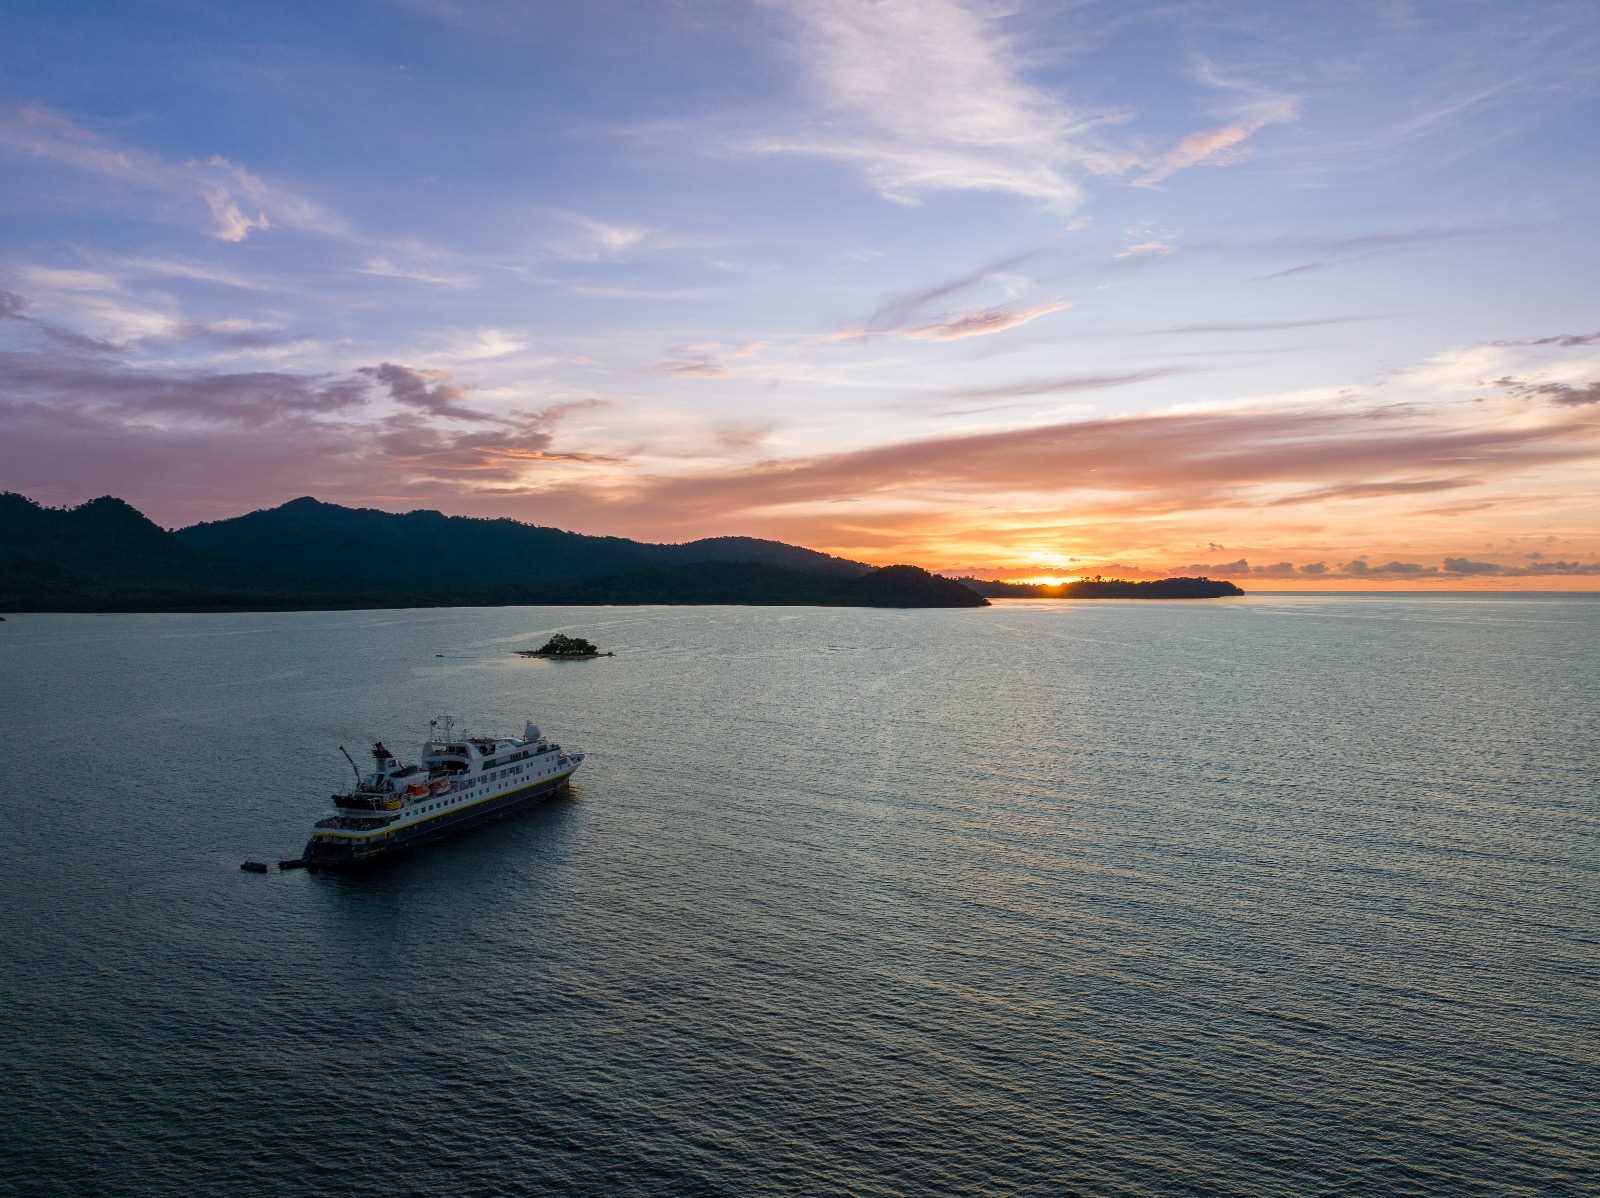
561,645
1098,586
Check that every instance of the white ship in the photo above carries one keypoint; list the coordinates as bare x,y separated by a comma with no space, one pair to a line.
460,782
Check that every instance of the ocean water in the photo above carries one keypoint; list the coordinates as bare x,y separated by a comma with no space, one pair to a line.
1285,895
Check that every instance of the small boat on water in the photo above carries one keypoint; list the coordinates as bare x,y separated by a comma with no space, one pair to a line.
459,783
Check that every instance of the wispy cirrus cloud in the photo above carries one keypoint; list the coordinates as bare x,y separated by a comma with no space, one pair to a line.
119,318
197,272
1289,272
12,308
693,366
1252,326
610,291
1253,109
915,314
705,359
237,200
384,267
610,238
983,322
1143,249
1340,249
900,310
582,237
1374,490
931,96
1066,384
1558,340
481,345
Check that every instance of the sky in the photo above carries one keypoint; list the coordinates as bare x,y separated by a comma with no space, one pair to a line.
1303,295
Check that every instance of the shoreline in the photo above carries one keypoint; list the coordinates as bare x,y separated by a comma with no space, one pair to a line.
257,609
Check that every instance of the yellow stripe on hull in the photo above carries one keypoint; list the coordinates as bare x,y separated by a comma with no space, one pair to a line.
380,834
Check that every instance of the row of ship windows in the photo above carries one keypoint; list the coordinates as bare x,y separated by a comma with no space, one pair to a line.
487,778
516,769
513,757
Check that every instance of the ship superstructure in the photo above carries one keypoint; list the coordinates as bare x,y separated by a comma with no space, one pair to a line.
459,782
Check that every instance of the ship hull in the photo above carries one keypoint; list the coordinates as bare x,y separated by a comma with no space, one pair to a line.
323,853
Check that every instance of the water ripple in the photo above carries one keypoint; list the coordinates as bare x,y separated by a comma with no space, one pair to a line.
1285,896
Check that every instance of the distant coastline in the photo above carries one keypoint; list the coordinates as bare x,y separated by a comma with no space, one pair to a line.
305,555
1109,588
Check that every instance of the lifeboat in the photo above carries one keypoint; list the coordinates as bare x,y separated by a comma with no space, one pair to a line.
441,786
417,790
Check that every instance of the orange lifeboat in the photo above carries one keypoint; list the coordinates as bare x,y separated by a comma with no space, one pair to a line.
417,790
441,786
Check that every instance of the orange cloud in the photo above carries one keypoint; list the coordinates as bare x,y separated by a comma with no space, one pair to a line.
983,322
1195,149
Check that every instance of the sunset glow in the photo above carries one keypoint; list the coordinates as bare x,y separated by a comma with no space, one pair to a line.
1022,292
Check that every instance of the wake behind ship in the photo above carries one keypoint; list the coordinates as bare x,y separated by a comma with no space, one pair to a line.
461,781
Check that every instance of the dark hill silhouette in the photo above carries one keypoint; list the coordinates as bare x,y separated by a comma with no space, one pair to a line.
1158,588
993,589
72,556
908,586
106,556
759,583
1107,588
309,543
769,553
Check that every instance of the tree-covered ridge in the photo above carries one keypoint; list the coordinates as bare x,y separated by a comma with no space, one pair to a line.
106,556
1108,588
908,586
1157,588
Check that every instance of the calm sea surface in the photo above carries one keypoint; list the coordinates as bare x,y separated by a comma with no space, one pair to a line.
1285,895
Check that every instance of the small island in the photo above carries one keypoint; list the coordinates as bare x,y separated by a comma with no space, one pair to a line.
565,647
1099,587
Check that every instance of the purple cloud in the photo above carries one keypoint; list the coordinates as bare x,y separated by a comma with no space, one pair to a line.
1565,394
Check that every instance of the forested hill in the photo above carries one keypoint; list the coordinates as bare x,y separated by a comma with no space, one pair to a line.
106,556
1107,588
